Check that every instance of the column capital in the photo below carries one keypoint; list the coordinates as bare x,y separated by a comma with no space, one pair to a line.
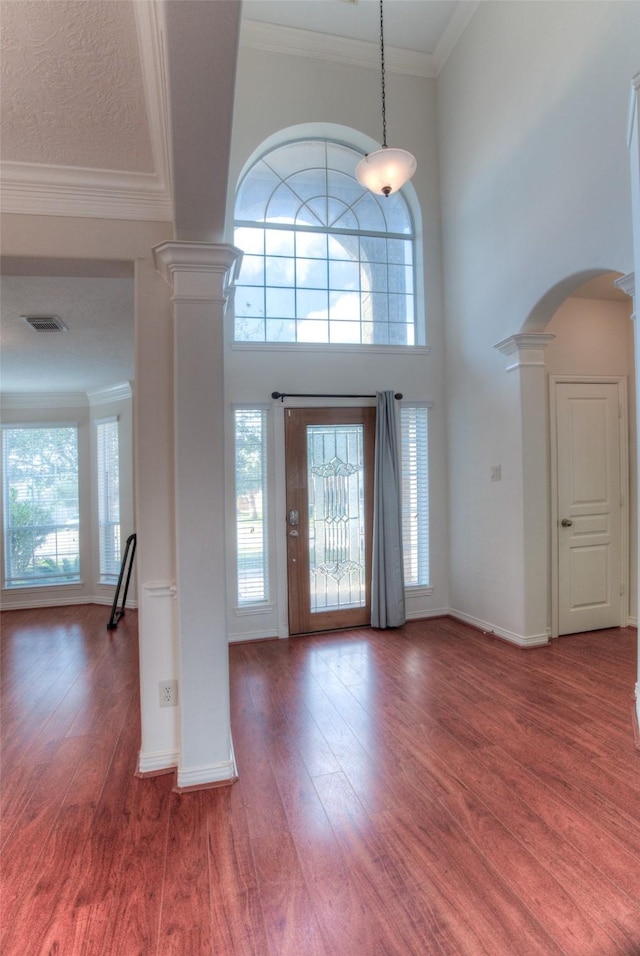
527,346
628,284
198,270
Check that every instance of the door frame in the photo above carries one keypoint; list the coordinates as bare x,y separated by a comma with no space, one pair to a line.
623,437
279,408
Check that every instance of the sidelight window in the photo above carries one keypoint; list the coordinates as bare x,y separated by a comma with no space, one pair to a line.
414,441
250,432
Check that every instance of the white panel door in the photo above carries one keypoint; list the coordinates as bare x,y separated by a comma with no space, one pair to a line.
589,507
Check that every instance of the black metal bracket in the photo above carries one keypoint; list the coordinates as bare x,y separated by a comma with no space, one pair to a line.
127,565
283,395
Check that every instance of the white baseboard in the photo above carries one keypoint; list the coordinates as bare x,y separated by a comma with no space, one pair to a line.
66,601
262,635
423,615
520,640
158,762
218,774
633,622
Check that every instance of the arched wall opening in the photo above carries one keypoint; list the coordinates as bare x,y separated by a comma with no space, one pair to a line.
585,335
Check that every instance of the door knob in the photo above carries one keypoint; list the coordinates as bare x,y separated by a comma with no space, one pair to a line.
293,534
566,522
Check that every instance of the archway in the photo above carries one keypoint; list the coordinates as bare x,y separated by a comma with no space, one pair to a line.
580,330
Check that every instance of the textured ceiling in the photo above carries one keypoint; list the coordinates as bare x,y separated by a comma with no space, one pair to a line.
96,352
73,95
72,87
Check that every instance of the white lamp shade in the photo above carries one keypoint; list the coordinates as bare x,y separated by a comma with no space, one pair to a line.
386,170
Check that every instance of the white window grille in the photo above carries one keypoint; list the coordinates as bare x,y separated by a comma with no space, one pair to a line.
325,260
250,432
108,469
41,506
414,441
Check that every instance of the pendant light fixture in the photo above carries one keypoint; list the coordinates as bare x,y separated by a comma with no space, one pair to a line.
386,170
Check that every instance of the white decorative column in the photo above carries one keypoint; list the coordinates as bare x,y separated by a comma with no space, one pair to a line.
199,274
525,352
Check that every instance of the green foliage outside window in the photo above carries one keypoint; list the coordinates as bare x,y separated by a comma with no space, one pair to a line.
41,505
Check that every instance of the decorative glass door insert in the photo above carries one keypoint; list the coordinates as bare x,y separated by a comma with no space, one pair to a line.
335,462
329,464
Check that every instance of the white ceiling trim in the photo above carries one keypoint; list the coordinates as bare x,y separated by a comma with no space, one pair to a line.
454,30
113,393
45,400
150,29
321,46
35,189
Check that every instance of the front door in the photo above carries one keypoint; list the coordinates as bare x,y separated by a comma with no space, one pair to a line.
329,467
589,506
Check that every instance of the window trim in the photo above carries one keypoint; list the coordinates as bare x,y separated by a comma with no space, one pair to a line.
359,143
263,604
105,577
39,583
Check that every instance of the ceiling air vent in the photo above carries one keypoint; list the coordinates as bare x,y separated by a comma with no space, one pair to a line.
45,323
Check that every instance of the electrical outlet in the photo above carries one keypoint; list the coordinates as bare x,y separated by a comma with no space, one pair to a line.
168,693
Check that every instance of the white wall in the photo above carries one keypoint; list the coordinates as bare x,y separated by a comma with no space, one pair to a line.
532,114
275,92
110,239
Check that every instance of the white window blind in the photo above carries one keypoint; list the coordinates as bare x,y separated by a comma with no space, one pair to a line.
41,507
415,493
251,505
108,461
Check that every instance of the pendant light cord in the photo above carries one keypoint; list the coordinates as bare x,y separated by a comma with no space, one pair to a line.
384,115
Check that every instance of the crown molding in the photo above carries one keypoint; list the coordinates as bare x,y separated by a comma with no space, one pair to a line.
634,108
452,33
256,35
39,190
113,393
151,32
44,400
47,190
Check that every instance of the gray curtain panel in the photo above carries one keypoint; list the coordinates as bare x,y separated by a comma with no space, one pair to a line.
387,577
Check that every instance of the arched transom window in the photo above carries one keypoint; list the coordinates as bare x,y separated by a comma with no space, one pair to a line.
325,261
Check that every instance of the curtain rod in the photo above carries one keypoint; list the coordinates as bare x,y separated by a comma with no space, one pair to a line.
283,395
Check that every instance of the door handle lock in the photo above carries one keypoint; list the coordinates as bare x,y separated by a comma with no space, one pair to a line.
294,533
566,522
294,518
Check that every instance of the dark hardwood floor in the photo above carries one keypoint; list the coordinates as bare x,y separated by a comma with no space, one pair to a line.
422,791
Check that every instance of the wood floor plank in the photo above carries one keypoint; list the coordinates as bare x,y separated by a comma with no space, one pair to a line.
427,792
186,925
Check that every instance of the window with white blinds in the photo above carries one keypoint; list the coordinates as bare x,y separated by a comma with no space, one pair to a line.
250,433
108,467
41,506
414,441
